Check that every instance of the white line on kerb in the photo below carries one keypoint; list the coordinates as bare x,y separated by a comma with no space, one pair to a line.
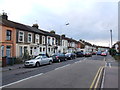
110,65
103,79
105,64
62,67
21,80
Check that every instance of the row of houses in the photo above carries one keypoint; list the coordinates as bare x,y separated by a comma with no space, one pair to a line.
17,39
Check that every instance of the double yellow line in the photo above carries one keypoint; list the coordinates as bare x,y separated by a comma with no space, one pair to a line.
96,79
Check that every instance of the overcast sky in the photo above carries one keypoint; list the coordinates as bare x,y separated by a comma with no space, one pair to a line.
90,20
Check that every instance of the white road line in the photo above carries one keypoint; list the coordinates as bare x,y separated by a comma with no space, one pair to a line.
21,80
85,59
77,62
62,67
105,64
110,65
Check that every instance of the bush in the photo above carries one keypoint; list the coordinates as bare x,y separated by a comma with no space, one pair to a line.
117,57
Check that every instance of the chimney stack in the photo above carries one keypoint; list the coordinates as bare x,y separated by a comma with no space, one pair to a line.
35,26
63,35
4,16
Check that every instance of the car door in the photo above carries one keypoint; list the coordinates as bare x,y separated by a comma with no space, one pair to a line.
45,60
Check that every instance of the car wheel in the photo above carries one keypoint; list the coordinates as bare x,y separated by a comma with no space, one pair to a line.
37,64
50,62
59,60
65,59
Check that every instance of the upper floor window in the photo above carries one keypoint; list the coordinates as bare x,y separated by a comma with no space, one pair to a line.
43,39
53,41
8,35
36,38
21,36
48,40
29,37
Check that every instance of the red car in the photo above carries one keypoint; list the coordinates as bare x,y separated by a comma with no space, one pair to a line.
87,54
103,54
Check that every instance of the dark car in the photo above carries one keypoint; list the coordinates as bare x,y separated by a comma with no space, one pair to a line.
79,54
58,57
87,54
70,55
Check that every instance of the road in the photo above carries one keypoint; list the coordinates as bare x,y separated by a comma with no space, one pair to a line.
77,73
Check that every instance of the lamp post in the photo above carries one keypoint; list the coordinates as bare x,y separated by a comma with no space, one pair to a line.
111,37
67,24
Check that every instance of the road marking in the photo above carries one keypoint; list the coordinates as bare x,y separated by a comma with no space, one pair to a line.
95,78
104,59
103,79
85,59
109,65
62,67
98,79
78,62
21,80
105,64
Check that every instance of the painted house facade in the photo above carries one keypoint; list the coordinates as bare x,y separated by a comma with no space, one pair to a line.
8,40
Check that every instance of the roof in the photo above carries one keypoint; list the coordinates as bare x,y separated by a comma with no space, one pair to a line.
20,26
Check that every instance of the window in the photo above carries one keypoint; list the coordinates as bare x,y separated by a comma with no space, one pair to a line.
53,41
29,37
40,49
8,35
43,40
43,49
48,40
2,49
49,49
36,38
31,50
20,50
21,36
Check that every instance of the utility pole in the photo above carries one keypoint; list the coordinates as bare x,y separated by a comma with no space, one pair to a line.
111,37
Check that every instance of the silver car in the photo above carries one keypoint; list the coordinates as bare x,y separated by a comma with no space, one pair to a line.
39,60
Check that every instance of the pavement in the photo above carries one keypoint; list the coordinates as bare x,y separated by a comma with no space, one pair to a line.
13,67
111,73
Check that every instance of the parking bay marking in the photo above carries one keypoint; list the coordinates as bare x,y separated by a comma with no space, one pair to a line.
21,80
62,67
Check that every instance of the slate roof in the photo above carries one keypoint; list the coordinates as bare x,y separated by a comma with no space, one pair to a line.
20,26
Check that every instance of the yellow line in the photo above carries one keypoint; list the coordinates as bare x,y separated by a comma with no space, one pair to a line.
96,85
95,78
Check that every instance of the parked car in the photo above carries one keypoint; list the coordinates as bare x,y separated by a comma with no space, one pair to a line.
37,61
87,54
104,54
93,53
58,57
70,55
99,52
79,54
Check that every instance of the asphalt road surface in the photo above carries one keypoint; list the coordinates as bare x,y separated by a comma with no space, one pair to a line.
76,73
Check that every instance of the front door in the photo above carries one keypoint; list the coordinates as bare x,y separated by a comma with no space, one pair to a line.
8,51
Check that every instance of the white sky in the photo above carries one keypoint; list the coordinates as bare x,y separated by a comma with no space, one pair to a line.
90,20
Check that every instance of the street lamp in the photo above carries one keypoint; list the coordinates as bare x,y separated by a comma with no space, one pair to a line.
111,37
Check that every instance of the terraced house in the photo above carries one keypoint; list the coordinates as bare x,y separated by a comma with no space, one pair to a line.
18,39
7,37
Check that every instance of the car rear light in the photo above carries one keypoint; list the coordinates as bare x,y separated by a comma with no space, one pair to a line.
57,57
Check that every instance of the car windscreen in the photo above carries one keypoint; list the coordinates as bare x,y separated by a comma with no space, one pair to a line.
38,57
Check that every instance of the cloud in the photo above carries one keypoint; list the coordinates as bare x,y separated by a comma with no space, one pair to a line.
89,19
